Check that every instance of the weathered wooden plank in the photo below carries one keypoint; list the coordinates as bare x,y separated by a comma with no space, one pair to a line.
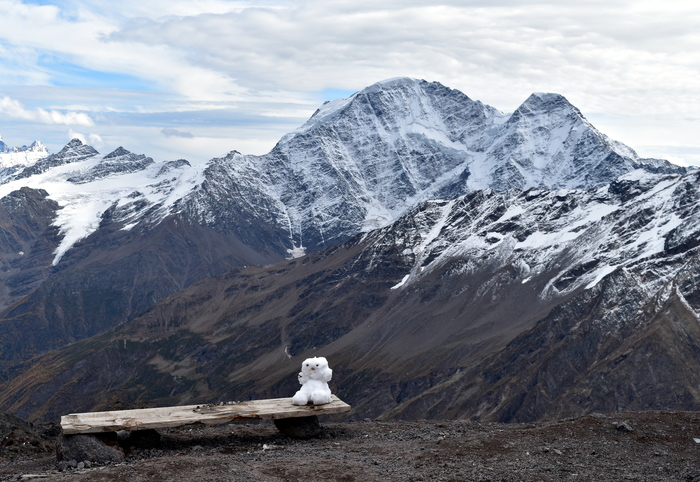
168,417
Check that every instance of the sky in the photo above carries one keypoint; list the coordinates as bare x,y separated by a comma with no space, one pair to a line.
196,79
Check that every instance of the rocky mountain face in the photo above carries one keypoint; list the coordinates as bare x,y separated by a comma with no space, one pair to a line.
28,241
508,306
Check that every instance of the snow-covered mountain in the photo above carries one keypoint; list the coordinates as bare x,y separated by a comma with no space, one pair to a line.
361,162
87,184
12,159
573,237
127,231
356,165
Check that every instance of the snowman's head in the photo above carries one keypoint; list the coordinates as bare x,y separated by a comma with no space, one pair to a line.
316,369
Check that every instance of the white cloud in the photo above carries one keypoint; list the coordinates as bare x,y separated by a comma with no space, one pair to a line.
95,140
606,56
169,132
15,110
77,135
609,58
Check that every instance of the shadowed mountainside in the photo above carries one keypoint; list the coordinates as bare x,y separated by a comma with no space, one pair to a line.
501,306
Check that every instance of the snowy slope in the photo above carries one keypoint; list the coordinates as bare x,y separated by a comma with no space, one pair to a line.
572,237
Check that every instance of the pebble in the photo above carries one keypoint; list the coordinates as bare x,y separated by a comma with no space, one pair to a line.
623,426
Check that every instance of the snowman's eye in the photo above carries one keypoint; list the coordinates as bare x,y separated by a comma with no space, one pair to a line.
307,364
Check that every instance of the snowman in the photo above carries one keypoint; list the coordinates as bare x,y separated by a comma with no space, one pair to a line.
314,378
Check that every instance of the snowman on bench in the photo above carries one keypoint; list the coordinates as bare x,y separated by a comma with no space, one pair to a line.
313,378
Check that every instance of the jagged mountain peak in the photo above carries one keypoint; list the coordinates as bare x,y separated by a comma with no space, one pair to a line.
73,143
75,149
396,84
397,103
360,163
36,146
118,162
545,103
118,152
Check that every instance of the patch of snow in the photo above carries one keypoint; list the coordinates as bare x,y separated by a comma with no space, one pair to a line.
686,304
401,283
129,227
296,252
600,274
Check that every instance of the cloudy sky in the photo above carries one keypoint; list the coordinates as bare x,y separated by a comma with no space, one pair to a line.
198,78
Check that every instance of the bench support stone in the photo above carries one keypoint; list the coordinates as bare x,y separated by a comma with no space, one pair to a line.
299,427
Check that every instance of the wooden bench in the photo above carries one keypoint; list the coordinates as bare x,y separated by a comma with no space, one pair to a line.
287,416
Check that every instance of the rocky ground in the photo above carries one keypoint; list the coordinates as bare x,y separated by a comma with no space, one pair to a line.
616,446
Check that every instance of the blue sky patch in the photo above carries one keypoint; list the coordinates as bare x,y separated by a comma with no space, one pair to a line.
66,74
42,2
333,94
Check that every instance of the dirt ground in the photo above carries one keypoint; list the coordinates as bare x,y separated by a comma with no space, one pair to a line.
644,446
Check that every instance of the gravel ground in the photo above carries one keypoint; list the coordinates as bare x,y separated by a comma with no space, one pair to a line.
644,446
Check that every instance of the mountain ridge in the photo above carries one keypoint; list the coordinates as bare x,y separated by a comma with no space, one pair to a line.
462,202
322,183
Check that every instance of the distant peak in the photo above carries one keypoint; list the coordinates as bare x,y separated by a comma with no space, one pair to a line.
75,142
37,146
76,146
546,100
118,152
542,103
393,83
